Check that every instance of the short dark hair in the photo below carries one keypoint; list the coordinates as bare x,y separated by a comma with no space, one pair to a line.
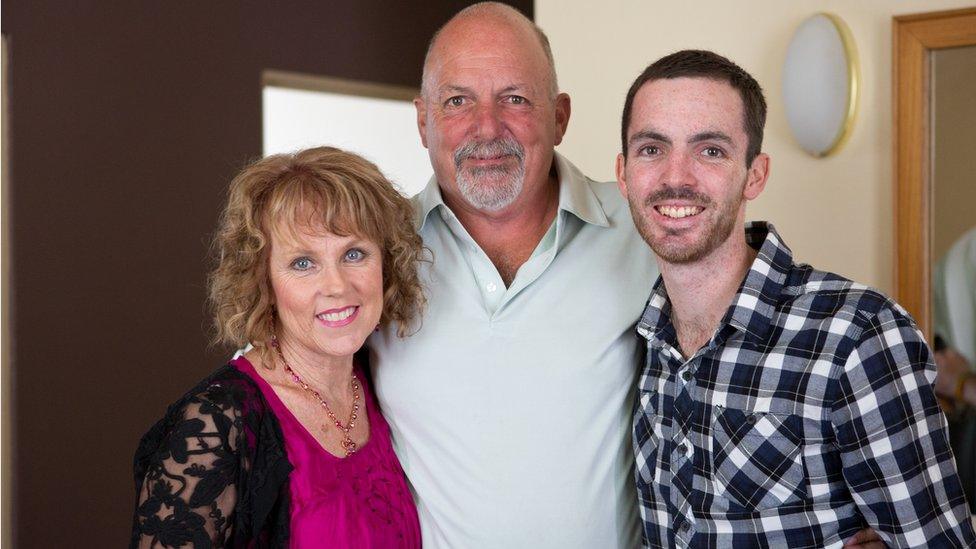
706,64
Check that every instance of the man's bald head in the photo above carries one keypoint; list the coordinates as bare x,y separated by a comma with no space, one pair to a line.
490,113
480,18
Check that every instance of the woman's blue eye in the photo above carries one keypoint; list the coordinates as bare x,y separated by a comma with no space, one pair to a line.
355,254
302,264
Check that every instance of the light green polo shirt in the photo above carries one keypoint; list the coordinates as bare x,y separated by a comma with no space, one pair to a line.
511,407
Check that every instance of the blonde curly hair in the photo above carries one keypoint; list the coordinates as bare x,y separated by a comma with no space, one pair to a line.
323,188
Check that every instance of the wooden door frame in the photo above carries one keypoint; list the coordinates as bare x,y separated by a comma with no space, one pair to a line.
915,37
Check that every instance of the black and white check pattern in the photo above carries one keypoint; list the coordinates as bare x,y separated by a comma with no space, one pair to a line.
807,416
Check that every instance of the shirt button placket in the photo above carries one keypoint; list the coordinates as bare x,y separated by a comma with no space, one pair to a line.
681,465
683,537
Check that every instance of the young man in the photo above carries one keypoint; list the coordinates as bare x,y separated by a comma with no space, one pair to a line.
779,406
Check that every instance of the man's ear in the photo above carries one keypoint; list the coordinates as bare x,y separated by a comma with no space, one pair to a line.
622,174
421,106
563,108
756,177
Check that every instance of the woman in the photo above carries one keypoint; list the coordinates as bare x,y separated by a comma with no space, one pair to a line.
285,446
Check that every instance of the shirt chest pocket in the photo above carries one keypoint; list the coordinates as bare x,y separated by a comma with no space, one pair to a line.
757,458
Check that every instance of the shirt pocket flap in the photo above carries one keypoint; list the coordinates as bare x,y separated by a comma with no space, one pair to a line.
757,458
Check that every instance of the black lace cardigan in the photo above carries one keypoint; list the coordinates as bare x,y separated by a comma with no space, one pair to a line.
213,471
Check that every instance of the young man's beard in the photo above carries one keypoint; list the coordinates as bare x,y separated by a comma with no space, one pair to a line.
721,218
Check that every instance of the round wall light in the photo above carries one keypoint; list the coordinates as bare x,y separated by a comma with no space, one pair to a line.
820,84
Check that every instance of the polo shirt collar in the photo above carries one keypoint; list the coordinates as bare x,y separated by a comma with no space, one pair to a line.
427,201
576,196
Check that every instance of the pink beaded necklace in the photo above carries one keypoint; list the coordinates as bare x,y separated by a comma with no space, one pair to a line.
347,443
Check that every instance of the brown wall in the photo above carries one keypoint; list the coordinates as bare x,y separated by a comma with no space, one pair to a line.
127,120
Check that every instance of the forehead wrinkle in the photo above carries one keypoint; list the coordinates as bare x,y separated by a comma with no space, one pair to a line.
698,137
711,136
482,62
497,35
518,86
649,134
441,90
454,88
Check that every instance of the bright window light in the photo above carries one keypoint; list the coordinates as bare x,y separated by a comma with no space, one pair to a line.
381,130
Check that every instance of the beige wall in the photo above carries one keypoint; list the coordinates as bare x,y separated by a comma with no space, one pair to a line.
954,176
835,213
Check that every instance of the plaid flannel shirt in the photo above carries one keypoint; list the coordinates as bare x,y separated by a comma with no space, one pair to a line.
809,415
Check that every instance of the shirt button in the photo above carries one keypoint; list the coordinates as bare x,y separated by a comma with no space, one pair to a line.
682,448
751,419
686,375
684,527
491,286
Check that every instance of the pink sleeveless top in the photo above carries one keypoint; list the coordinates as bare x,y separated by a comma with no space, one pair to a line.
359,501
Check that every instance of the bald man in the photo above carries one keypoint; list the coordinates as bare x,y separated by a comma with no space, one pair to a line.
511,407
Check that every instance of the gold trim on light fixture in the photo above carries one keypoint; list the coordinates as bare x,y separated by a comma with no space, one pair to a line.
853,83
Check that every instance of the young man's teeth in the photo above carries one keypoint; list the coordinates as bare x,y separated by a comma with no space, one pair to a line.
336,317
679,211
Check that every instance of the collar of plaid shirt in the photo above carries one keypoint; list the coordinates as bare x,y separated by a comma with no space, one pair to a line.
754,304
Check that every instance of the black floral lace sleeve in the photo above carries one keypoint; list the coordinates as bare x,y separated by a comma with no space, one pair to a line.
212,472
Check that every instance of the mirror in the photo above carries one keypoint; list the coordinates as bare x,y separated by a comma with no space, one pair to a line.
953,85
